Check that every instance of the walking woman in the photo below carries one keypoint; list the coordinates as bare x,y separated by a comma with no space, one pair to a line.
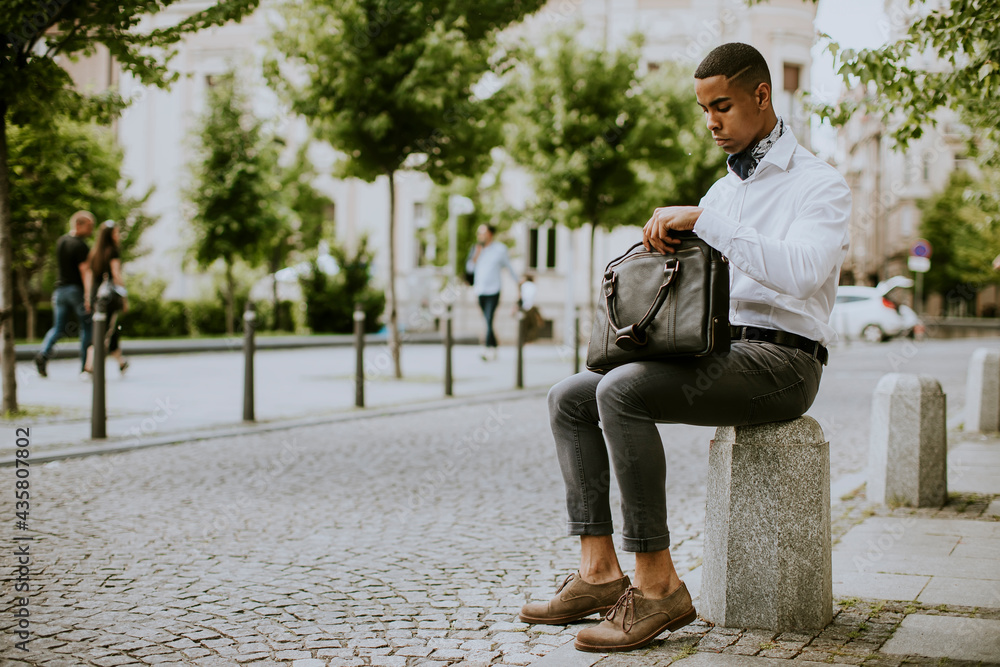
105,264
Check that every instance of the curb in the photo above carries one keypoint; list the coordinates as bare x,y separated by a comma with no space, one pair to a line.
129,444
140,346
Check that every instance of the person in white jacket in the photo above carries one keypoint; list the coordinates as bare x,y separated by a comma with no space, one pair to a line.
781,216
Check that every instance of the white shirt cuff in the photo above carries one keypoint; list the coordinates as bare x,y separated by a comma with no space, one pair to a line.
715,229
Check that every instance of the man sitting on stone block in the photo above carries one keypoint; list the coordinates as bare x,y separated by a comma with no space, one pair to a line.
781,216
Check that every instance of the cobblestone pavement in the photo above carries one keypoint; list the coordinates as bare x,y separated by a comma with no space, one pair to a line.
406,540
859,627
401,540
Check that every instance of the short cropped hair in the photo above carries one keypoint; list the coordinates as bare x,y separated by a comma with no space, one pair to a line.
740,63
80,216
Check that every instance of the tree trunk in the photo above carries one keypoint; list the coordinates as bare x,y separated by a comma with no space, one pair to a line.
7,368
230,301
391,300
27,301
275,324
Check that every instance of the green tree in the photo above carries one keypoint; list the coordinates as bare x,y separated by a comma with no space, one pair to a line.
34,38
962,223
55,171
302,221
605,145
964,76
330,299
390,85
234,191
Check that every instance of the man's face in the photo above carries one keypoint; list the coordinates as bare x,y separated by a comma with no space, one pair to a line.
483,234
735,117
85,227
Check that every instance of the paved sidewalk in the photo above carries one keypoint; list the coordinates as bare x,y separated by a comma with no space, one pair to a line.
911,586
173,397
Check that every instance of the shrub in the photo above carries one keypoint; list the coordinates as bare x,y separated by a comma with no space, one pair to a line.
149,316
330,299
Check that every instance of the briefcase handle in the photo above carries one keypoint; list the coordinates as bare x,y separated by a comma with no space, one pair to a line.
633,336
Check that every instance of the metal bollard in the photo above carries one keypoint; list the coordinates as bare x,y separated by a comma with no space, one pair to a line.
576,342
249,325
359,366
520,348
98,413
448,344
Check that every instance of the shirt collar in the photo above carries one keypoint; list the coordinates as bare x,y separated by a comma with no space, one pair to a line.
745,163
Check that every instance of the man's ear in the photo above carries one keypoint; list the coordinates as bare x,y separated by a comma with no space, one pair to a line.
762,96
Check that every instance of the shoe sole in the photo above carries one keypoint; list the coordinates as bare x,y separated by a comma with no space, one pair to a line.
563,620
673,625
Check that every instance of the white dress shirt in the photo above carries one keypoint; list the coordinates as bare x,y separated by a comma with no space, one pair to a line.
785,231
486,268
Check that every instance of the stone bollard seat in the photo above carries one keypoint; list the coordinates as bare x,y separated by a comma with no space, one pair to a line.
982,391
908,446
767,530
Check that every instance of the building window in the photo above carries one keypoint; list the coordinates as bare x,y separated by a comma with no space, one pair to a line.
550,248
926,167
542,247
652,67
791,81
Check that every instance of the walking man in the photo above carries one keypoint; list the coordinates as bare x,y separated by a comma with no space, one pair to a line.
486,264
781,216
72,293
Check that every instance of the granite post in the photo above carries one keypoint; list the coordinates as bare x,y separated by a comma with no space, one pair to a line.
982,392
908,445
767,530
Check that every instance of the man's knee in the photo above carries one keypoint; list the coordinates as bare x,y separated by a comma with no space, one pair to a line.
617,388
571,395
558,395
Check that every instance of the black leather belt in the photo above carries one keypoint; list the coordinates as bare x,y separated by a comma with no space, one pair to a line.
781,338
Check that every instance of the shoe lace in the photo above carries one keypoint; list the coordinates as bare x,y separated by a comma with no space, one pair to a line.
569,578
625,604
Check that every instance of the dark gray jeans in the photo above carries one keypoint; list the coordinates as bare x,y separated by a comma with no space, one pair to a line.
594,416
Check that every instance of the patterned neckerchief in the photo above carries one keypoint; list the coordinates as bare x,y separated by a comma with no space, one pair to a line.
745,162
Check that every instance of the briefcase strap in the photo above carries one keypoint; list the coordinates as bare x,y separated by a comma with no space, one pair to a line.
633,336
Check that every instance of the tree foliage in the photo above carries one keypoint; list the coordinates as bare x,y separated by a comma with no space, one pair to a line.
56,170
604,144
947,58
330,299
391,85
962,224
234,192
35,89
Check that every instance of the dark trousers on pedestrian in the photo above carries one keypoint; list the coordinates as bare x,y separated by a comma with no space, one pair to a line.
600,421
67,302
489,303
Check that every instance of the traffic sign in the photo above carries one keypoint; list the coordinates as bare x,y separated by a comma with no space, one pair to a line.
918,264
921,248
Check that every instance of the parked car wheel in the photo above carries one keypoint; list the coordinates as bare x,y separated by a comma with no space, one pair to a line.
873,334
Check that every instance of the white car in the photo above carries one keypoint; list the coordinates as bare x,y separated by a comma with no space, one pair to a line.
866,312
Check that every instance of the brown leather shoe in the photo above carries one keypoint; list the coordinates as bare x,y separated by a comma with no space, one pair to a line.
575,599
635,621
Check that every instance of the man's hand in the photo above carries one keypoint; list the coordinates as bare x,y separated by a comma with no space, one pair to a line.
656,232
